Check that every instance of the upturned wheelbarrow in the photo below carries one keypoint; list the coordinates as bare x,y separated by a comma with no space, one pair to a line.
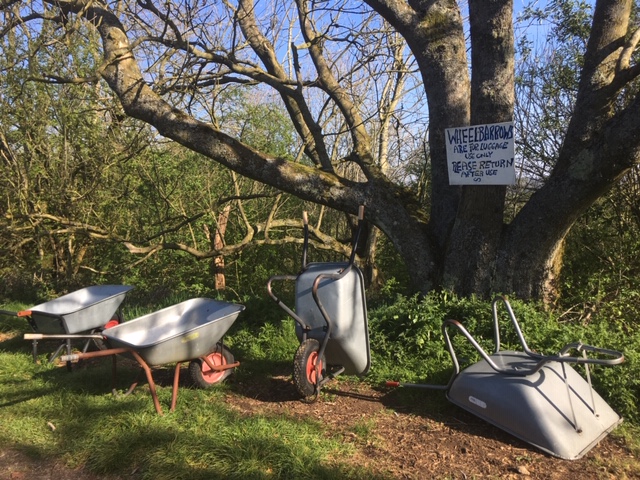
188,331
331,319
538,398
86,310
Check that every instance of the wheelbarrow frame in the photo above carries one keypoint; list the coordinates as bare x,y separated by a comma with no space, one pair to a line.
205,323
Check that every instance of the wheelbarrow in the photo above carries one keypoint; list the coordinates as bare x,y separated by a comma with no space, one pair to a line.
188,331
331,319
540,399
86,310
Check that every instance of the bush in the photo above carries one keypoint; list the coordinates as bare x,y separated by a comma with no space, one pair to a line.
407,342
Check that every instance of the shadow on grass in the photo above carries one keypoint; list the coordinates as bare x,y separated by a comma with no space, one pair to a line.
12,323
95,377
18,396
202,441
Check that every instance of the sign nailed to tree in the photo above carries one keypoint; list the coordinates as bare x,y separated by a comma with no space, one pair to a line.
481,154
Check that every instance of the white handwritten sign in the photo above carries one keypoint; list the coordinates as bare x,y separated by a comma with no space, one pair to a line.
481,154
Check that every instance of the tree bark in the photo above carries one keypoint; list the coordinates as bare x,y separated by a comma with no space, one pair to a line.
475,239
601,145
218,244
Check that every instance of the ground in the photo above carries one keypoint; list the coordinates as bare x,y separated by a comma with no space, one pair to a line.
393,437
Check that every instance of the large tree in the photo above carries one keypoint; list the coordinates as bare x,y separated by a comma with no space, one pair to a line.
166,62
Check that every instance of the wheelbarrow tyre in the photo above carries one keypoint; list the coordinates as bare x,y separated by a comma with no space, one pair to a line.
304,371
203,376
98,343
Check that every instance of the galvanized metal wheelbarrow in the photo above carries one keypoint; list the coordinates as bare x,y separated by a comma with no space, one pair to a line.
188,331
86,310
331,319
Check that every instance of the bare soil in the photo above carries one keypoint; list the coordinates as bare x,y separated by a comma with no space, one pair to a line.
392,435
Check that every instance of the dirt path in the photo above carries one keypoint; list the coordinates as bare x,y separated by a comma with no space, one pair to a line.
393,438
409,444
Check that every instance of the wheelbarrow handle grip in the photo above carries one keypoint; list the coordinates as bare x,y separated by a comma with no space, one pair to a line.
305,218
70,358
61,336
33,336
24,313
361,212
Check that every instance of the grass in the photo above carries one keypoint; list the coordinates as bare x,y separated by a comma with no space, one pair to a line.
48,412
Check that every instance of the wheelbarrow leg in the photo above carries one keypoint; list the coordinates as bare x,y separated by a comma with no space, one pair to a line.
68,342
34,350
152,385
139,359
64,344
55,354
176,382
114,373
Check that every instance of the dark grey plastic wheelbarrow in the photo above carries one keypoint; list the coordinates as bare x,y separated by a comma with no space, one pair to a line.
331,319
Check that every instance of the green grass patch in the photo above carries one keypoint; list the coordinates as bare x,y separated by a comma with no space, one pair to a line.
48,412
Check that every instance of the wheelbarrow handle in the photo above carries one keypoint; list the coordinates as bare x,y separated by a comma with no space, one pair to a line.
33,336
396,384
62,336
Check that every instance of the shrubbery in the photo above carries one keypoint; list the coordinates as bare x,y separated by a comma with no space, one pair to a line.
407,342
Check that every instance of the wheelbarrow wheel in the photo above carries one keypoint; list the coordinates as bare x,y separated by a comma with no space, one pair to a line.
98,342
202,374
305,375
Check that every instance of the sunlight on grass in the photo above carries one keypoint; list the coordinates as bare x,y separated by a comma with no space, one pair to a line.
51,412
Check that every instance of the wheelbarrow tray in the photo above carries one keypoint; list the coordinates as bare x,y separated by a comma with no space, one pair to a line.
344,300
80,311
178,333
536,408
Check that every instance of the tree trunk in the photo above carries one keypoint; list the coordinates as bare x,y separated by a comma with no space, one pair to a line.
218,243
475,238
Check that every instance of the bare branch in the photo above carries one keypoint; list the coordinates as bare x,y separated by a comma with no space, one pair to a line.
361,140
296,105
56,79
625,72
147,247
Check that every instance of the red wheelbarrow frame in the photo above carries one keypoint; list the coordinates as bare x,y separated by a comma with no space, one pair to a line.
113,352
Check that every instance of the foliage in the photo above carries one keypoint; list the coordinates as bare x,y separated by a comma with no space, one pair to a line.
601,271
407,338
407,343
67,155
72,154
547,74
